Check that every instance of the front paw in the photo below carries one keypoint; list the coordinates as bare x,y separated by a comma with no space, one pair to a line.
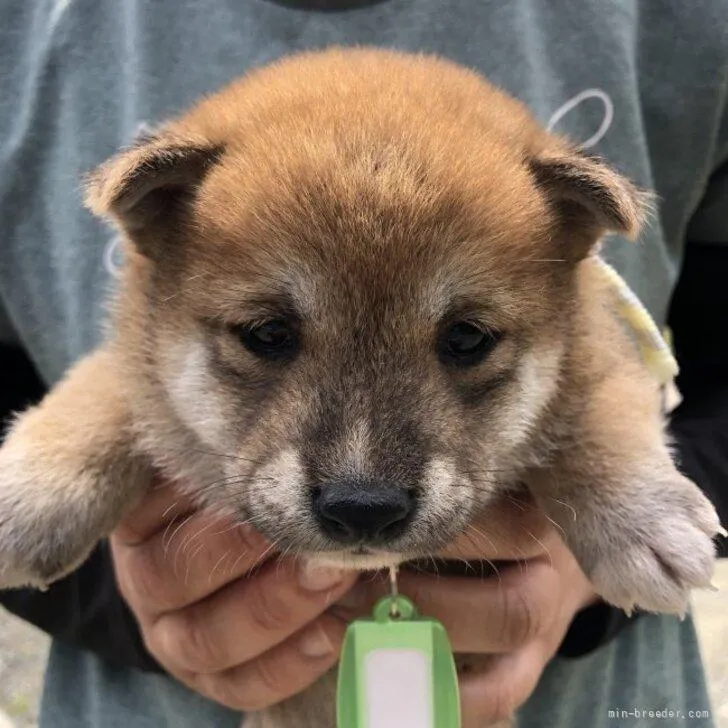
38,547
26,564
46,525
652,547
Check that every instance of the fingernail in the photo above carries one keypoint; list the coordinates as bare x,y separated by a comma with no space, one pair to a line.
314,577
315,643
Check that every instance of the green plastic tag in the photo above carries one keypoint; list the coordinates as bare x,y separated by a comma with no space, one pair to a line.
397,671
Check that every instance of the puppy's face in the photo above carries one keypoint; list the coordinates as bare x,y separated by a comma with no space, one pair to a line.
371,349
364,321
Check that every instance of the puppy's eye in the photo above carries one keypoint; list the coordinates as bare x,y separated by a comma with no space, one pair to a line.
465,344
275,339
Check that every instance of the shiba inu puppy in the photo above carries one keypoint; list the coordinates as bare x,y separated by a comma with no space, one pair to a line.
360,299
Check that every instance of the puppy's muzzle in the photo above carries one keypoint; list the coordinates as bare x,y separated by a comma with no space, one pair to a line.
363,512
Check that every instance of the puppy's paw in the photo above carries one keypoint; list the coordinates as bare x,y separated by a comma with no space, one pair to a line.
38,546
47,521
652,548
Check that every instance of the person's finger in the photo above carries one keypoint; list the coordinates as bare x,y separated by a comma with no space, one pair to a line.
161,505
188,560
493,615
246,618
493,692
284,671
508,530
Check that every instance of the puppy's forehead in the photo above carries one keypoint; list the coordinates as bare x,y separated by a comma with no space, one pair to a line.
378,221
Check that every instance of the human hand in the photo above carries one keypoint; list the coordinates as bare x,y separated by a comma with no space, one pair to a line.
244,630
517,618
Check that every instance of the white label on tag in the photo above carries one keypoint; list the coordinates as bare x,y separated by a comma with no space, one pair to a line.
397,689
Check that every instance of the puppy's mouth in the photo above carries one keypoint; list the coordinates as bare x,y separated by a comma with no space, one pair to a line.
361,521
360,558
371,560
362,551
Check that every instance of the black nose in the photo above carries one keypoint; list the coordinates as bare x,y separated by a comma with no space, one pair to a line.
357,510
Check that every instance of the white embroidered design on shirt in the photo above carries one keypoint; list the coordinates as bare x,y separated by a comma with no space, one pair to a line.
571,104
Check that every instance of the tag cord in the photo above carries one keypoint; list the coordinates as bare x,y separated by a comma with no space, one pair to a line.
393,592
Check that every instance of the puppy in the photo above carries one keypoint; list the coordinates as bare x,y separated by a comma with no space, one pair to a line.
360,301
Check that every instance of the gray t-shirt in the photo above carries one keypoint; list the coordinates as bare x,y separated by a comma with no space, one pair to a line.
644,84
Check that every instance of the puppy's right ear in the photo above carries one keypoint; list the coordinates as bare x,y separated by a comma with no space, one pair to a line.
589,198
148,185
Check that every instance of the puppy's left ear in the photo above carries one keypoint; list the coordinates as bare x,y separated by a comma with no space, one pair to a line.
149,182
590,198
